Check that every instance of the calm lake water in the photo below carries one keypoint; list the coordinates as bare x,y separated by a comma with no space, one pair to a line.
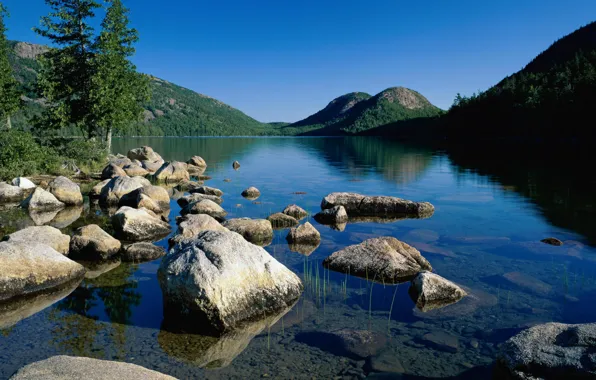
491,214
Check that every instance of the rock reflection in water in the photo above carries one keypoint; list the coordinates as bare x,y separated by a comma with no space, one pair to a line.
208,351
66,217
98,268
304,249
41,218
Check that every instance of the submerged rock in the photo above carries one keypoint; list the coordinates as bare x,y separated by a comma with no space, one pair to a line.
430,291
333,216
552,241
442,341
191,225
256,231
172,172
46,235
207,191
23,183
550,351
42,200
384,259
304,234
527,283
141,252
218,280
251,193
295,212
32,267
112,171
66,191
144,153
195,197
9,193
355,344
236,165
93,243
205,206
68,367
362,205
281,220
138,224
197,161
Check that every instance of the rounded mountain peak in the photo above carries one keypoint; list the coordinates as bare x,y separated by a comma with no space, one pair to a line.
409,99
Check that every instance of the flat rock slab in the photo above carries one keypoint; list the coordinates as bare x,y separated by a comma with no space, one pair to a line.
355,344
357,204
527,283
142,252
207,191
68,367
442,341
43,235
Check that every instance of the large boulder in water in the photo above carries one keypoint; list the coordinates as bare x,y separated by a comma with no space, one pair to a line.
9,193
304,234
138,224
430,291
145,153
92,243
172,172
68,367
42,200
112,171
118,187
197,161
23,183
154,198
205,206
220,281
251,193
295,212
189,226
550,351
384,259
43,235
256,231
66,191
332,216
362,205
32,267
280,220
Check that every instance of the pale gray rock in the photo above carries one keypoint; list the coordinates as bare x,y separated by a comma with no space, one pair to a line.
119,160
430,291
236,165
68,367
207,191
32,267
43,235
256,231
96,190
66,191
93,243
332,216
134,170
195,197
152,166
383,259
304,234
23,183
112,171
188,185
205,206
197,161
145,153
9,193
137,198
362,205
172,172
280,220
42,200
189,226
119,187
550,351
142,252
295,212
138,224
251,193
219,280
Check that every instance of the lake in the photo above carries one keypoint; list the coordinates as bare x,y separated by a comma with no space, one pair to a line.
491,211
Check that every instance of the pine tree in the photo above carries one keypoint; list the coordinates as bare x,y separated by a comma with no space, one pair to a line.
118,91
65,78
10,100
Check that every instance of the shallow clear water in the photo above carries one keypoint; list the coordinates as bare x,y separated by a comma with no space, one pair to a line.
485,235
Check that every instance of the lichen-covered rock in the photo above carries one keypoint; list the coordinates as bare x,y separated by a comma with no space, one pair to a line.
256,231
142,252
304,234
23,183
197,161
112,171
43,235
334,215
188,185
280,220
362,205
550,351
120,160
9,193
93,243
68,367
236,165
383,259
134,170
32,267
219,280
295,212
207,191
251,193
96,190
430,291
172,172
42,200
190,225
152,166
138,224
118,187
195,197
145,153
154,198
66,191
205,206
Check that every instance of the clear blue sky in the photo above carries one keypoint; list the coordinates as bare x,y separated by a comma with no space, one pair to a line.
284,60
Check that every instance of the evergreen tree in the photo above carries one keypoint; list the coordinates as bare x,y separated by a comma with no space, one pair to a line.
10,100
118,91
65,78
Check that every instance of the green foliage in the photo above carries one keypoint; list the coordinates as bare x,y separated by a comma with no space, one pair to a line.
10,100
21,155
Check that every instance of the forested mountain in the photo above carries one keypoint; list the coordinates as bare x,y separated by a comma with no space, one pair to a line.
551,98
358,112
172,110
